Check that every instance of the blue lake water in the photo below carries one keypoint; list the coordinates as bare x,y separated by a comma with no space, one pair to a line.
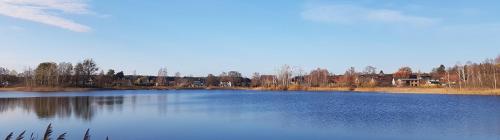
252,115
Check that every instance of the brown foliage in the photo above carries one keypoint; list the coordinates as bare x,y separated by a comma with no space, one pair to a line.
403,72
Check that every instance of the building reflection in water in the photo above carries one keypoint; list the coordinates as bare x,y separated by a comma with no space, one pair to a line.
82,107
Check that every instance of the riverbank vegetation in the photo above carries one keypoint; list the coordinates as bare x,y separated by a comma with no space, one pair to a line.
46,136
480,78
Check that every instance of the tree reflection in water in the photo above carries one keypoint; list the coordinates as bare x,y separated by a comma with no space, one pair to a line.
82,107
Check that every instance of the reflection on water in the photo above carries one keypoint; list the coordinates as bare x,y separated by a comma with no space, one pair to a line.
62,107
201,114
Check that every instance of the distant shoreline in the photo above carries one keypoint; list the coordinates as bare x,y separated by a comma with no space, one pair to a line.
394,90
404,90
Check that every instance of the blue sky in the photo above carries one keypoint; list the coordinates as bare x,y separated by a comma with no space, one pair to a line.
197,37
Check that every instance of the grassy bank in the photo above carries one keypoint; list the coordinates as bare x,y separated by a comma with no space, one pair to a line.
399,90
47,89
431,91
402,90
74,89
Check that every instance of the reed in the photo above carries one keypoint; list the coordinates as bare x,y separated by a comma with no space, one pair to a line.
47,135
21,136
48,132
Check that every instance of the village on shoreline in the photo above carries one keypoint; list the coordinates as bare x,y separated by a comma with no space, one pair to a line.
391,90
471,78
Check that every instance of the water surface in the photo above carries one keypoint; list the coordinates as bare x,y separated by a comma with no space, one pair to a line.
227,114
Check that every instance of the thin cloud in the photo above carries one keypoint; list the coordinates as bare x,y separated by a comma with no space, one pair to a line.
46,12
346,14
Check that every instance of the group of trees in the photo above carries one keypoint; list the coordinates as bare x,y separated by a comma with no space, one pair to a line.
471,75
233,77
64,74
318,77
84,74
8,77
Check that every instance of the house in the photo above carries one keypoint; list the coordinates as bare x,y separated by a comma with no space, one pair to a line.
434,83
412,82
246,82
4,84
122,82
416,80
197,83
226,84
298,80
385,80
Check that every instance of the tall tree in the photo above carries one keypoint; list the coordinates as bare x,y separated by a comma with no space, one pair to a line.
109,77
120,75
29,78
370,70
318,77
110,73
212,80
65,70
256,81
3,74
350,77
404,72
46,73
78,76
89,69
235,78
177,78
496,68
439,72
497,60
284,76
161,79
299,75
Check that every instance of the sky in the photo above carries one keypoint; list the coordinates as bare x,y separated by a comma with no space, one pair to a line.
198,37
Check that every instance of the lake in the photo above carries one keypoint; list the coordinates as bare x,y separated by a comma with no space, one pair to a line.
252,115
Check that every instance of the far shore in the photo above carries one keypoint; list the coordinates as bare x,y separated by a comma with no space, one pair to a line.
395,90
411,90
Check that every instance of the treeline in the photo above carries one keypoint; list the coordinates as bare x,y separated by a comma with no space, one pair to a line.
64,74
87,74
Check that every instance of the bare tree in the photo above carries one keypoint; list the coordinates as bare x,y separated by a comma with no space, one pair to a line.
29,77
459,72
78,75
370,70
495,70
45,74
497,60
3,73
284,76
64,70
235,78
351,77
448,78
177,78
318,77
299,74
212,80
256,81
161,80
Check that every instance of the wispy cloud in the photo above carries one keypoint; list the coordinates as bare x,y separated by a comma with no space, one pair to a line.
47,12
354,14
